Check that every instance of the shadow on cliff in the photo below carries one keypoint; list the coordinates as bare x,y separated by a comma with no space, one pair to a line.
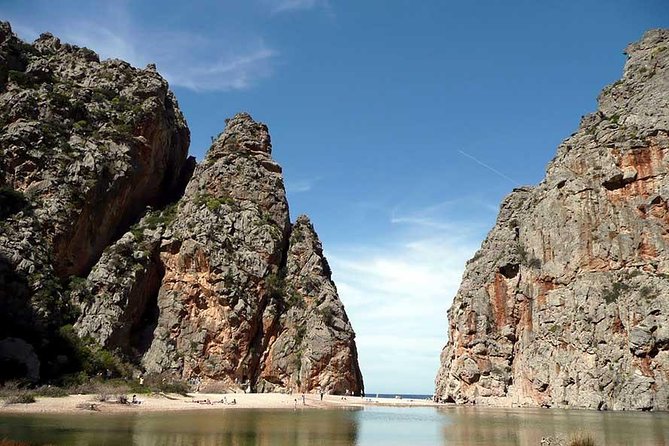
16,319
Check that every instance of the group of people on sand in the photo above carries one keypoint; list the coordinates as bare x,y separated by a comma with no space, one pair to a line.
223,400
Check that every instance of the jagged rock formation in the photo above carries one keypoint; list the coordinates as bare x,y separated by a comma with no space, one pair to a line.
210,282
244,299
85,147
313,339
566,304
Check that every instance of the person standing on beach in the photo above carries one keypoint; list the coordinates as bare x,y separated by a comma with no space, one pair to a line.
321,392
304,403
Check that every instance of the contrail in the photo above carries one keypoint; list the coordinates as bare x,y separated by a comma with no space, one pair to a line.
492,169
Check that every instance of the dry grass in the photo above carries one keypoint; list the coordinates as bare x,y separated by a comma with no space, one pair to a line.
13,393
20,398
582,440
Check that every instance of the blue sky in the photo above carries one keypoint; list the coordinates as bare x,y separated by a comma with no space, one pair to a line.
400,125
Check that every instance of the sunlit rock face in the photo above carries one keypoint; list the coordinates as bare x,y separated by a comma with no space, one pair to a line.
224,289
566,304
108,230
85,146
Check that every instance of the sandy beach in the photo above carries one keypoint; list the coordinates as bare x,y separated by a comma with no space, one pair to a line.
199,401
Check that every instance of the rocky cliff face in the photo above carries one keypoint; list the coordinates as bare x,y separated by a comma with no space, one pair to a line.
193,272
85,147
566,304
242,298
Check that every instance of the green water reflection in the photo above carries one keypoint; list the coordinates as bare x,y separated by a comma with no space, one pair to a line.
372,426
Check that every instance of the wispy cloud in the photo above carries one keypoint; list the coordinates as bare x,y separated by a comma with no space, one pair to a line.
186,58
293,5
397,296
300,186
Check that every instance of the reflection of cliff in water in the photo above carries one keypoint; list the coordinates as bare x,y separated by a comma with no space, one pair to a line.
241,427
526,427
388,426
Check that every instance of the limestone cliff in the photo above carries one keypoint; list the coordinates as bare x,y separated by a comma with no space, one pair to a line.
566,304
85,146
190,271
242,298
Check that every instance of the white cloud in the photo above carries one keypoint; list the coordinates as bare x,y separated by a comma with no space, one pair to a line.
186,59
397,296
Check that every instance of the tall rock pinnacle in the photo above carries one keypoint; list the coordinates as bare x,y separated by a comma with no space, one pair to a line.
231,293
116,249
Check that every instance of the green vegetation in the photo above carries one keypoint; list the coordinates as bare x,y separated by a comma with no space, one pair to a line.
22,79
309,284
278,289
51,392
326,314
300,333
21,398
294,299
612,294
83,127
93,358
658,50
633,273
14,392
614,119
164,382
648,292
526,258
212,203
164,217
154,219
228,279
7,442
79,288
297,236
11,202
137,231
276,285
104,94
266,219
58,100
534,263
522,253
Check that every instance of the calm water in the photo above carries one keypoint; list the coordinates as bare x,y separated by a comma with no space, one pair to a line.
370,426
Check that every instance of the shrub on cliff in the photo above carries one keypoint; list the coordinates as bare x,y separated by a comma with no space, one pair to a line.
11,202
94,359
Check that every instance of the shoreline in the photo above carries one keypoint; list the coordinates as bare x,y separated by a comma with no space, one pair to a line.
90,403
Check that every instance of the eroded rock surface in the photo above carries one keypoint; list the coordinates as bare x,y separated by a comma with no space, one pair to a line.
113,243
243,300
85,146
313,341
566,304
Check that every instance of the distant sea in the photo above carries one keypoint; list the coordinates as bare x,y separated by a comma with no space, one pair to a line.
404,396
